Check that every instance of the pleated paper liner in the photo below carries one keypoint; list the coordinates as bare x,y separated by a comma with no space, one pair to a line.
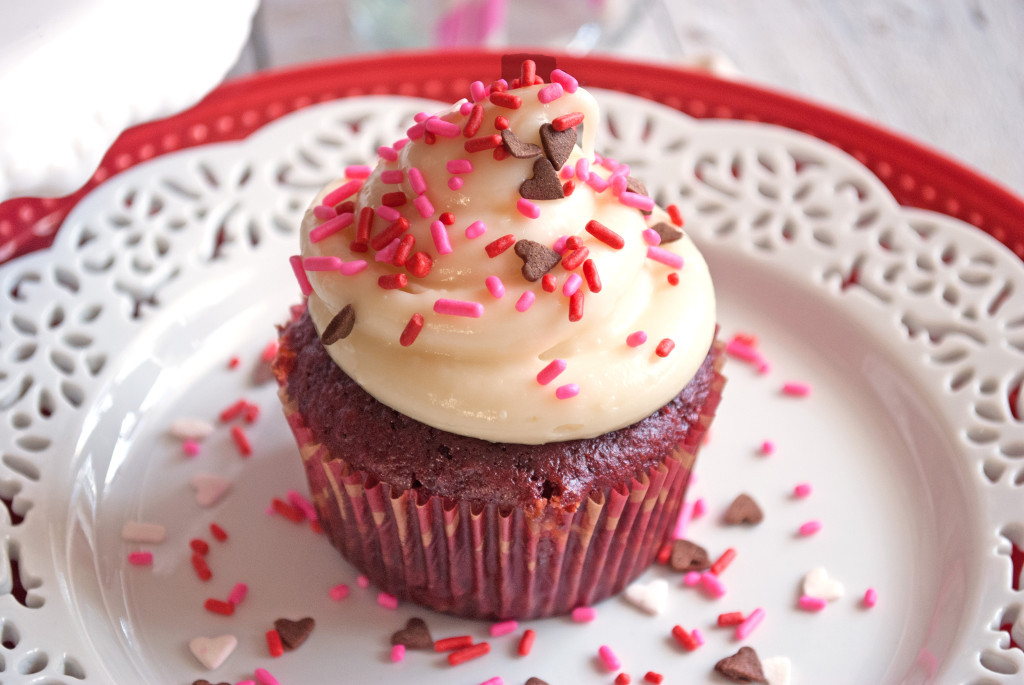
481,561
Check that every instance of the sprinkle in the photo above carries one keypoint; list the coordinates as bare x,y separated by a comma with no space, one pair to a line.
483,143
592,276
767,448
691,579
730,618
397,653
507,100
870,597
392,176
549,283
583,169
140,558
496,247
526,642
387,153
449,644
597,183
477,91
723,561
794,389
241,441
324,212
472,310
494,286
525,301
298,501
810,528
386,255
358,171
618,184
321,263
440,237
664,347
551,371
527,208
338,592
567,172
387,601
419,264
423,206
342,192
567,391
712,585
665,257
801,490
651,237
199,546
439,126
416,181
576,306
653,677
447,218
238,593
684,638
565,80
274,645
475,229
190,448
572,260
636,339
363,226
232,412
700,507
218,606
476,118
463,655
218,533
455,183
392,281
605,234
584,614
808,603
416,131
744,629
623,679
459,166
550,93
568,187
394,199
362,581
388,213
571,285
611,662
331,226
234,362
353,267
251,413
264,678
281,507
675,215
411,331
503,628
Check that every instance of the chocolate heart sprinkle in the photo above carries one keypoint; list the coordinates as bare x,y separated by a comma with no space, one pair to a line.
743,510
557,145
518,148
667,232
340,326
294,633
415,635
742,667
537,259
545,184
536,681
203,681
689,556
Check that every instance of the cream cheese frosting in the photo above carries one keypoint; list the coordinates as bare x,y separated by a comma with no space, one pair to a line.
449,330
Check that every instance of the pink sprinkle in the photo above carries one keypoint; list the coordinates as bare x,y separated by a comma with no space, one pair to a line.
525,301
353,267
416,181
475,229
682,521
439,126
331,226
455,183
565,80
572,284
298,501
321,263
802,490
503,628
691,578
424,206
502,82
400,143
496,680
358,171
440,235
742,351
584,614
415,132
611,662
238,593
387,601
567,391
387,254
339,592
700,507
651,237
551,371
636,339
566,173
794,389
246,682
597,183
473,310
559,245
744,629
387,153
140,558
397,653
465,108
550,93
808,603
494,286
459,166
810,528
190,448
527,208
767,448
609,163
870,597
667,258
392,176
477,91
263,677
324,212
698,637
582,169
363,582
712,585
388,213
420,117
342,192
618,185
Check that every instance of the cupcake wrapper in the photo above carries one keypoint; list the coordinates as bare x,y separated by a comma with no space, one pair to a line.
479,560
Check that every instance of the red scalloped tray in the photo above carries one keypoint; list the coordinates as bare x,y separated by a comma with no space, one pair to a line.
917,176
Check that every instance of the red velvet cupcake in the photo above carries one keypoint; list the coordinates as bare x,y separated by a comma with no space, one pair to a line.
507,364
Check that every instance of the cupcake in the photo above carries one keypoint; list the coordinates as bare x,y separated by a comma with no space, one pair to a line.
506,362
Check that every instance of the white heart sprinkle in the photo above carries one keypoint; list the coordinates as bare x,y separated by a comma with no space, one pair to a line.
652,597
209,488
777,670
817,583
137,531
190,429
212,651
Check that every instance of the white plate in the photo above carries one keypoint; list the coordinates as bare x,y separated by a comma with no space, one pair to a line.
909,437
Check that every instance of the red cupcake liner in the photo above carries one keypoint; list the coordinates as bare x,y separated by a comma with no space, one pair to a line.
483,561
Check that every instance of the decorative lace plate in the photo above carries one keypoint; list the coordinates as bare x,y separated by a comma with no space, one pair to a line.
908,325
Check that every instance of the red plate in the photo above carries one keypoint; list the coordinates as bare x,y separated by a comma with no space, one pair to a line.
916,176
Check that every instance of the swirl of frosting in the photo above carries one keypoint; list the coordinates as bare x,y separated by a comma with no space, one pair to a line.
469,285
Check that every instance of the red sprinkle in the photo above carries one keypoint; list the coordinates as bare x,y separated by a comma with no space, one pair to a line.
202,570
527,71
567,121
593,278
675,215
251,413
483,143
573,242
573,260
233,412
274,643
395,199
419,264
605,234
463,655
507,100
730,618
665,553
287,510
395,229
499,86
218,533
496,247
500,123
673,278
576,306
449,644
549,283
269,351
476,117
393,281
723,561
568,188
653,677
405,246
623,679
412,330
234,362
241,441
684,638
218,606
526,642
500,153
199,546
665,347
447,218
362,239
